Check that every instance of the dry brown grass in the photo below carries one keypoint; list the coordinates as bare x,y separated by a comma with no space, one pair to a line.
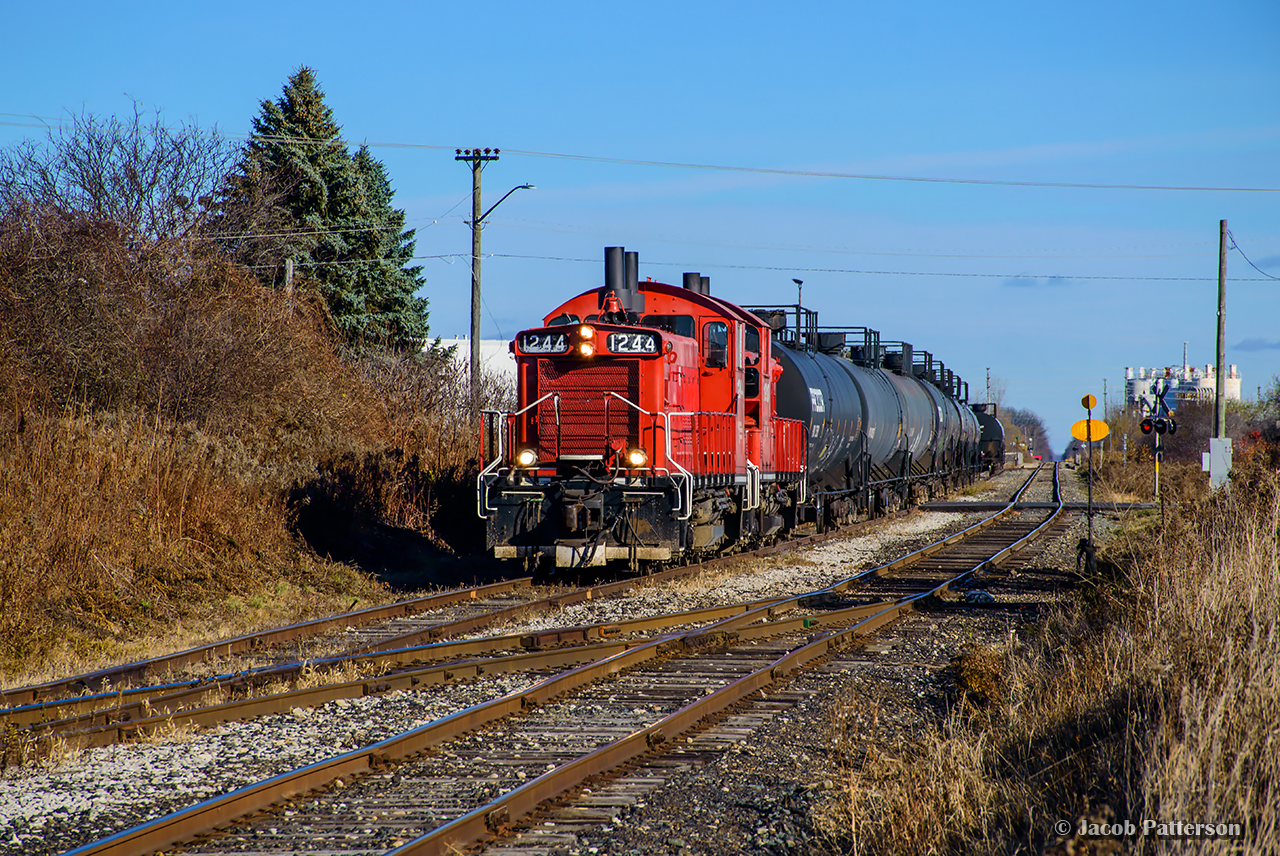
1154,696
164,422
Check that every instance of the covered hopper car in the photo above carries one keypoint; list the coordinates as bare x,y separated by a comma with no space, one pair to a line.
657,423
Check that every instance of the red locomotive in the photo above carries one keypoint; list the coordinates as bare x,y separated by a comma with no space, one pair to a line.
656,422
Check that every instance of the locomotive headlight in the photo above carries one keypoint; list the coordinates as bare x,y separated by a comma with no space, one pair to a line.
526,458
637,459
586,331
586,349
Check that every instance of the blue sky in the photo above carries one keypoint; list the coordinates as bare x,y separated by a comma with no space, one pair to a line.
1052,288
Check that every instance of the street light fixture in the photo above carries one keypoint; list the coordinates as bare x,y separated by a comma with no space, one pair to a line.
477,158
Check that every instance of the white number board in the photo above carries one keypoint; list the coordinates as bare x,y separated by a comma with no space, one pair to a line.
633,343
544,343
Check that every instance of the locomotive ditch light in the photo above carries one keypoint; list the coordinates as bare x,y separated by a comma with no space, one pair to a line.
526,458
1146,425
637,459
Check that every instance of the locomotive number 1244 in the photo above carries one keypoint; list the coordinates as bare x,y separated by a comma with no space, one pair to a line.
633,343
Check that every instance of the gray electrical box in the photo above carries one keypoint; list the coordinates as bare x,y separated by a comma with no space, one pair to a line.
1217,461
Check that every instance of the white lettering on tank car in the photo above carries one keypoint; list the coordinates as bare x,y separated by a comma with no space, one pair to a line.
815,399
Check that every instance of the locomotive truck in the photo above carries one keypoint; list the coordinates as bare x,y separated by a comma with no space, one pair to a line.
657,423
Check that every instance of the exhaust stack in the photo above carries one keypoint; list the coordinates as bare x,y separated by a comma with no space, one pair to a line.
622,277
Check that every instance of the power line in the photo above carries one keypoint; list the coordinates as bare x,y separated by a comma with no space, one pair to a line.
1061,277
568,230
876,177
1236,247
801,173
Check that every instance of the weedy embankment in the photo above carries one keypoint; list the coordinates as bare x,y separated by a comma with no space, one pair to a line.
187,454
1153,695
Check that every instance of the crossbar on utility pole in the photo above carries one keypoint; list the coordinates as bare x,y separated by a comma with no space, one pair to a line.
477,158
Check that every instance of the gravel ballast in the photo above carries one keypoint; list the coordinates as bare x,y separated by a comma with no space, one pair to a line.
101,791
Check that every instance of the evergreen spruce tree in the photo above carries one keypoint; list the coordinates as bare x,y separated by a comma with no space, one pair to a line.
347,236
387,279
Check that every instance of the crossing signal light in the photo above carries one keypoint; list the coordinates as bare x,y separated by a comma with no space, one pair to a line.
1146,425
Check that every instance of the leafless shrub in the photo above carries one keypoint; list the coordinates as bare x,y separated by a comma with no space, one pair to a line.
152,181
160,407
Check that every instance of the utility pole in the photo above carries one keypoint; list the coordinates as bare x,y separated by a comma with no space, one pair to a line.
1106,446
477,158
988,384
1219,380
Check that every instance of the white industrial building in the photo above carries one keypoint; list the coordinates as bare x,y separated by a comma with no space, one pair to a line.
495,355
1182,384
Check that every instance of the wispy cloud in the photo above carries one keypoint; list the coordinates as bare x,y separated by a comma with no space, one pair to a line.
1268,261
1036,281
1257,345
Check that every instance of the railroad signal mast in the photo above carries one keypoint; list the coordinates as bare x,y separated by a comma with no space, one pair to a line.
1158,420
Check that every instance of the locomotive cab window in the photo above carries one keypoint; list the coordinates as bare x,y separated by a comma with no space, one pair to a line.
751,383
751,344
681,325
715,344
563,318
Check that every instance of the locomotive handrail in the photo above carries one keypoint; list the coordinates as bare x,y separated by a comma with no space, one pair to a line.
529,407
482,487
687,501
494,468
717,459
753,487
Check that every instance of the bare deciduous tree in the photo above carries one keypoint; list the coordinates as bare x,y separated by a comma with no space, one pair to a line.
153,181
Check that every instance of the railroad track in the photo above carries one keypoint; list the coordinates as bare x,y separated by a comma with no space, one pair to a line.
465,777
110,708
395,658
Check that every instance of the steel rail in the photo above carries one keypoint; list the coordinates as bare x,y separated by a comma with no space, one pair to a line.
248,642
28,715
208,815
25,696
95,721
419,679
602,590
84,710
88,722
145,715
483,822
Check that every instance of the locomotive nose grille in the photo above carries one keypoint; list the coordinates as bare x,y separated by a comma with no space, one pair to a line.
584,404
